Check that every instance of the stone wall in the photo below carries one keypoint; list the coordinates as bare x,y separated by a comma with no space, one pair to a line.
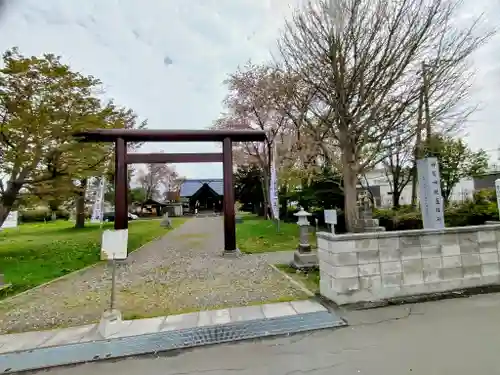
369,267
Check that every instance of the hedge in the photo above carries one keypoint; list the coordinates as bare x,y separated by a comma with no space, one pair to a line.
32,216
483,207
316,213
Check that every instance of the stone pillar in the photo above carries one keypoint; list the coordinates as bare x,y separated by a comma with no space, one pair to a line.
230,248
166,222
121,185
303,257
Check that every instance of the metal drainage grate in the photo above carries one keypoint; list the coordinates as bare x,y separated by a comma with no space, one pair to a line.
163,341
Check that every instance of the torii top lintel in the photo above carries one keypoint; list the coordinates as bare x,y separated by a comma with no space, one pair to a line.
162,135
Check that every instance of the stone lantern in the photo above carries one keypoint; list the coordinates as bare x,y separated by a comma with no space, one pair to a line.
303,223
304,258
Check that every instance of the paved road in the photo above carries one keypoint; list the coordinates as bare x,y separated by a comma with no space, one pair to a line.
452,337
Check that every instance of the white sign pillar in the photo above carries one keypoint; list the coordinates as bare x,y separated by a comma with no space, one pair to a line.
97,211
11,221
431,200
497,189
114,247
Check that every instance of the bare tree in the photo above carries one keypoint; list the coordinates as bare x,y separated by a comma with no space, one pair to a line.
173,188
398,165
361,61
154,178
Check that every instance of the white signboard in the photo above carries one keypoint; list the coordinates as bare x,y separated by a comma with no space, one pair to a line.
97,210
11,221
497,188
331,217
431,200
114,244
273,188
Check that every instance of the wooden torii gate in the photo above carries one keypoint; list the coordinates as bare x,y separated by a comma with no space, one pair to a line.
120,137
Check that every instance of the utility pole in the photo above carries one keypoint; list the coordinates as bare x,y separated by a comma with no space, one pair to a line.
423,100
425,85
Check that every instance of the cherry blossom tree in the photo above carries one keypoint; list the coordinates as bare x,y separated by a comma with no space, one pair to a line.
156,177
253,102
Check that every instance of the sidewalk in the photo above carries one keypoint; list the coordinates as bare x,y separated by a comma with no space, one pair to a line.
451,337
48,349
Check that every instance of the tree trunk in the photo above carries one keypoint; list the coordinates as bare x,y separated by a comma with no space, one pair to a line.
418,146
396,197
7,201
446,196
414,183
396,194
54,207
80,205
350,179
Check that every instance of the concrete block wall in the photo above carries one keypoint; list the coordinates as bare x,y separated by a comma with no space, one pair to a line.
370,267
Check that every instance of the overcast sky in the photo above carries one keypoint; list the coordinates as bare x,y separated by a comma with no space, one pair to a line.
166,59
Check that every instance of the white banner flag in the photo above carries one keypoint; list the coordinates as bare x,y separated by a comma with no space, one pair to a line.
273,188
97,210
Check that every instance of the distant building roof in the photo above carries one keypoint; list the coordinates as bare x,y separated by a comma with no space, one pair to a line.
190,187
150,201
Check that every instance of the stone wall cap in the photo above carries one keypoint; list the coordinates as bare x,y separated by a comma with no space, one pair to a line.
407,233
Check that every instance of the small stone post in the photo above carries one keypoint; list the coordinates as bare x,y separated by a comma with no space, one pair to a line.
303,258
166,222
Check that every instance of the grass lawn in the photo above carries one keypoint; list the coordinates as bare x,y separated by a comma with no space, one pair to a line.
34,254
309,279
256,235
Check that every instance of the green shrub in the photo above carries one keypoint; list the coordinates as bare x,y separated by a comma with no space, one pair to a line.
62,215
40,215
287,215
471,213
407,208
32,216
477,211
316,213
398,219
485,196
319,213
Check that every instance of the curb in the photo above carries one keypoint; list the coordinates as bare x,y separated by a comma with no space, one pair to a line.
292,281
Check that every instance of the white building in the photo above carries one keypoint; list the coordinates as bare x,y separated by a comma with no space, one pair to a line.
382,188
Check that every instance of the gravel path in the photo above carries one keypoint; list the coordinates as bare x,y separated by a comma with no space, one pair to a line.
181,272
